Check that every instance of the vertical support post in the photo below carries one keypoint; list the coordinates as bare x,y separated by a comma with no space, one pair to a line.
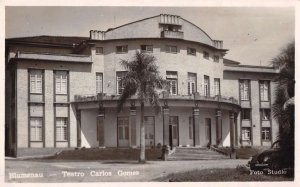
133,141
219,127
78,120
232,134
196,126
166,116
100,127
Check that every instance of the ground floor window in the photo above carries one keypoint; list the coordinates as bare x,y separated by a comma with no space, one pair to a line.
36,129
246,133
149,130
266,133
61,129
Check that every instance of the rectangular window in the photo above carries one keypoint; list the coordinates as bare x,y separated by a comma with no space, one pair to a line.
120,82
216,58
246,133
36,129
99,50
191,127
191,51
36,81
264,90
246,113
244,90
61,82
171,49
147,48
206,86
99,83
192,82
149,128
122,49
266,133
217,87
61,129
205,55
265,114
172,80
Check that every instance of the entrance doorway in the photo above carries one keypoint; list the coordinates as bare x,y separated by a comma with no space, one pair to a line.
149,130
123,131
208,131
173,131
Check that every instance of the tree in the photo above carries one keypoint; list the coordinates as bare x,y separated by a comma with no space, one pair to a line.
142,79
283,107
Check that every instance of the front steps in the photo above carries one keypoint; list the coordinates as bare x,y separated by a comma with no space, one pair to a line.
184,153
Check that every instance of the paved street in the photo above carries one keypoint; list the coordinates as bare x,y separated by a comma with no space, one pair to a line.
92,171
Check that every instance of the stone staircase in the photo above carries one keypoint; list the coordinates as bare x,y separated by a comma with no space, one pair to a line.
192,153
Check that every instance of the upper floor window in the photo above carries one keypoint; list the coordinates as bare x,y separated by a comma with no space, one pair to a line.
120,82
36,128
192,79
61,129
171,49
99,50
99,83
61,82
264,90
205,55
122,49
206,86
244,90
265,114
172,80
217,86
147,48
245,113
36,81
191,51
216,58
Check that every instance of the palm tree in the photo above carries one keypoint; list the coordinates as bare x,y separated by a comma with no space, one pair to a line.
143,80
283,107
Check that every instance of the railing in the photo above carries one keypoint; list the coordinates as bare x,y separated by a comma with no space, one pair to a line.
163,95
54,57
172,34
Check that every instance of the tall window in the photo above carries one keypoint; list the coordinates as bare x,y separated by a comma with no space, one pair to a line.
206,86
172,80
61,82
246,133
265,114
192,79
122,49
120,82
149,127
246,113
264,90
171,49
36,81
147,48
244,90
99,83
61,129
191,127
266,133
36,129
217,86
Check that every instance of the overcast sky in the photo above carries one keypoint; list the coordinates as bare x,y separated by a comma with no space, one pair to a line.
252,35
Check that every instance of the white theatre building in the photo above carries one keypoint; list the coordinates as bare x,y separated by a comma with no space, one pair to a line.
62,92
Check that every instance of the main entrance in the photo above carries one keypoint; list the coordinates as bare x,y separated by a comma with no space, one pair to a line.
173,131
123,132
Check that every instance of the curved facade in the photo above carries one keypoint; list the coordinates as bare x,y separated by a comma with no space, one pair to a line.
64,90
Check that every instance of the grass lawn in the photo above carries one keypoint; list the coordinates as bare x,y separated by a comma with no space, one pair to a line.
219,175
106,154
